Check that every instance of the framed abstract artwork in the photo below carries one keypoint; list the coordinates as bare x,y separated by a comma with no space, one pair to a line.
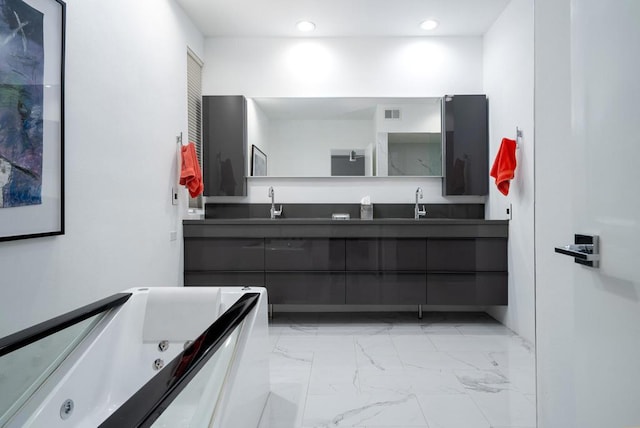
32,45
258,162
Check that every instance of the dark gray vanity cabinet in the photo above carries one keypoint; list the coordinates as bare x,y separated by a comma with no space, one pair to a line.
224,261
466,145
467,271
315,288
386,271
305,270
386,288
386,254
467,288
379,262
224,141
467,255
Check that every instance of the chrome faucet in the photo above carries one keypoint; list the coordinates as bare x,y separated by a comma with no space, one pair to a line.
274,212
417,211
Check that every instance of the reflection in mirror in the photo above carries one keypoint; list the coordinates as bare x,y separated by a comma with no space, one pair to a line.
349,163
322,137
415,153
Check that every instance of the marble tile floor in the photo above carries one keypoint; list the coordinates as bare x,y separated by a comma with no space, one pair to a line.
366,370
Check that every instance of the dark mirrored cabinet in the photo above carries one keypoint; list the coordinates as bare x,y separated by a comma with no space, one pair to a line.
224,141
466,145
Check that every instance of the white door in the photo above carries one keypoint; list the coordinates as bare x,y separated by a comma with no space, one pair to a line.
606,201
589,364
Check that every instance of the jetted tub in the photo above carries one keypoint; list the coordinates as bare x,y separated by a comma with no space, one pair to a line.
127,346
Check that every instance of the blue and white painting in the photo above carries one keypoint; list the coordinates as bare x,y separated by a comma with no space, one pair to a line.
21,104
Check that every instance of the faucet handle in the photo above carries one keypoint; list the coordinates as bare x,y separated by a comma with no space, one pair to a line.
276,212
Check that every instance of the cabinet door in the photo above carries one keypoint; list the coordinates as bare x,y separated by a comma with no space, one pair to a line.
467,255
224,254
467,289
224,139
386,288
386,254
221,279
305,287
298,254
466,145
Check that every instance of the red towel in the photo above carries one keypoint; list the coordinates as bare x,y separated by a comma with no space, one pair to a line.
505,165
190,174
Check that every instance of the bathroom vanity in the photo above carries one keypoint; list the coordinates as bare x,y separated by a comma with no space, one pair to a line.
302,256
381,261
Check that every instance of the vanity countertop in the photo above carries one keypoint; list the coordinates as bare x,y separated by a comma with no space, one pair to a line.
352,228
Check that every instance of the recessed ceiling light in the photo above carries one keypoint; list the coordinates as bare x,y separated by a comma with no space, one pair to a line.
306,26
429,24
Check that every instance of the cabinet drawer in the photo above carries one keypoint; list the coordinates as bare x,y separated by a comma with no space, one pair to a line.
224,254
305,288
467,289
393,288
304,254
467,255
214,279
386,254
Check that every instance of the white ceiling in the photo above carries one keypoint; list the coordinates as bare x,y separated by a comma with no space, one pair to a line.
342,18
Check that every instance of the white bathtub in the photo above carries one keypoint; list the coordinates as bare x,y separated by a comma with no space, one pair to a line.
117,357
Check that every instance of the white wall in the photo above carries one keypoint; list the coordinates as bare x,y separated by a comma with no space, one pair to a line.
345,67
508,82
357,67
348,190
125,105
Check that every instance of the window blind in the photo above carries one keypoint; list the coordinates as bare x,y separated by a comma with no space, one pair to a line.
194,100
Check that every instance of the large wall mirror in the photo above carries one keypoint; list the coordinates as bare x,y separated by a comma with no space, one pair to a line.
322,137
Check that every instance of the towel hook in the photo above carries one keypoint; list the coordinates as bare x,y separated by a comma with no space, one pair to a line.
179,139
518,137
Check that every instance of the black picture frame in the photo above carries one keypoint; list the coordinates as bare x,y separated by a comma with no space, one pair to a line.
258,162
32,160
